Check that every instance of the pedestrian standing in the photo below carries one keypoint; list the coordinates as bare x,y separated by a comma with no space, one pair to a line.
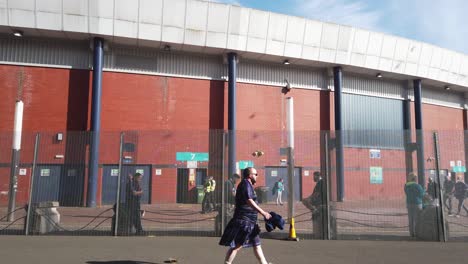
279,188
449,188
414,196
208,198
460,195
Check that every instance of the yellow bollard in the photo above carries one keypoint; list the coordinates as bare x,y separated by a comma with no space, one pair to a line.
292,231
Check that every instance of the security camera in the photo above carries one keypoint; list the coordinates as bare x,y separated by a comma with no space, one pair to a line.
286,88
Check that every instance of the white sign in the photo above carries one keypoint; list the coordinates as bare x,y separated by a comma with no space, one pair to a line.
141,171
274,173
192,164
306,173
71,173
22,171
452,163
158,172
374,153
459,163
114,172
45,172
283,162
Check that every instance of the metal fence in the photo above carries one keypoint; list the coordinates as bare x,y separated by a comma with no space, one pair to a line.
52,179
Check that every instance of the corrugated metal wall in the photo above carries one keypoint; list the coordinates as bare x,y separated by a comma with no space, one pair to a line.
78,54
439,96
374,87
152,61
372,121
45,52
268,74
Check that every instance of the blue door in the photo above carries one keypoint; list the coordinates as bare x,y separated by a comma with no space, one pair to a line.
71,185
109,182
272,175
46,183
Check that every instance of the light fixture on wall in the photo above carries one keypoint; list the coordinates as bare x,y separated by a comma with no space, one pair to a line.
378,75
286,62
446,87
18,33
286,88
167,48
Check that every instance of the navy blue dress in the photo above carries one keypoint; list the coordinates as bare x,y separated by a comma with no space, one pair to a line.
243,228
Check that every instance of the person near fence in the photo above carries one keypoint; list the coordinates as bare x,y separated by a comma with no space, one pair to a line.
449,188
317,200
243,229
432,189
230,188
278,191
208,198
414,198
133,200
460,194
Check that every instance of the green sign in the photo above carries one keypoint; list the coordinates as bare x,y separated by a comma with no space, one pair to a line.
192,156
376,176
245,163
458,169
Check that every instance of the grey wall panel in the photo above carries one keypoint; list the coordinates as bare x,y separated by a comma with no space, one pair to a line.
373,87
372,121
268,74
54,53
439,96
152,61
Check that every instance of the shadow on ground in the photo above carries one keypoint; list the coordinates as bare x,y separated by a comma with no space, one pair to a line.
122,262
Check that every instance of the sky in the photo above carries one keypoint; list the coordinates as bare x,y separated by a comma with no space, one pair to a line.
438,22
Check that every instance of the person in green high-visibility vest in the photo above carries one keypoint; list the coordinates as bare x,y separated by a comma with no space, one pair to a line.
208,201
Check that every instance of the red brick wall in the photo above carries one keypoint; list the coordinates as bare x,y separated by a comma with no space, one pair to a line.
181,111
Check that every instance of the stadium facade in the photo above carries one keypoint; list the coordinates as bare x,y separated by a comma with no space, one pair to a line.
175,75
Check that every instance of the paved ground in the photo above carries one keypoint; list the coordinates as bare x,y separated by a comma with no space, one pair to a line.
154,250
383,220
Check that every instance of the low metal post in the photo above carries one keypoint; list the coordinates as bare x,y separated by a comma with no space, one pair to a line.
327,234
440,216
31,184
117,203
223,192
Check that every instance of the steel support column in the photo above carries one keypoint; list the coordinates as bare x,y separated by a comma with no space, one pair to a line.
419,130
409,146
232,98
98,59
338,83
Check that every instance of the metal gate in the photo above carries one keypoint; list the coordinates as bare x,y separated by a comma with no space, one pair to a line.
109,182
46,183
273,174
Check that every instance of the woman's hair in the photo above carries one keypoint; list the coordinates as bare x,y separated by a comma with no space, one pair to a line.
412,177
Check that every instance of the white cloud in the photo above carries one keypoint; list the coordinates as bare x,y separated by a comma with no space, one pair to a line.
347,12
438,22
231,2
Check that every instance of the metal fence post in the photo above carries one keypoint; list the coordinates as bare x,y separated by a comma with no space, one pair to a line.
440,216
31,184
327,234
223,191
117,203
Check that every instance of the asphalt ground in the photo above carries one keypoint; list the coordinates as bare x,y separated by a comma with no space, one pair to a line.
155,250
